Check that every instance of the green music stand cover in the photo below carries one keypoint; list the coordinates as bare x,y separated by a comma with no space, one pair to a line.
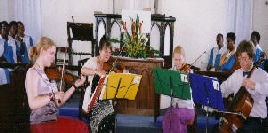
172,83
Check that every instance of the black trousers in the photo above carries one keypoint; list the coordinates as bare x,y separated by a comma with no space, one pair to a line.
253,125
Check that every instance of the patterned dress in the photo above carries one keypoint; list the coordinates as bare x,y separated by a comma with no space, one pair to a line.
101,116
48,112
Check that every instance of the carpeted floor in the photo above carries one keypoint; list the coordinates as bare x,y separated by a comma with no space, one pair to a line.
127,123
136,124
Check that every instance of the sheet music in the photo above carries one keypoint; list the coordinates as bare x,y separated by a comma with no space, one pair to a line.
121,86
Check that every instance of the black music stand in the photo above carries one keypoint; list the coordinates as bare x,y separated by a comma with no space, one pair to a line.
206,91
172,83
120,86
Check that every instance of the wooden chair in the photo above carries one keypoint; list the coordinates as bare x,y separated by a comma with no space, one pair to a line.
81,32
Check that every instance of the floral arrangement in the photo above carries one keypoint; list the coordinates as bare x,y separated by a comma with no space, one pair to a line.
134,44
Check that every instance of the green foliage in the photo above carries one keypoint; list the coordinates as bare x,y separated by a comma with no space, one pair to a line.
134,44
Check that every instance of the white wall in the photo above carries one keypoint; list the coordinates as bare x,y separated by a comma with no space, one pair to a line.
56,13
260,22
4,12
198,23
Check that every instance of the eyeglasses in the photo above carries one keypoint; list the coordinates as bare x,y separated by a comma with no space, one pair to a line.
244,59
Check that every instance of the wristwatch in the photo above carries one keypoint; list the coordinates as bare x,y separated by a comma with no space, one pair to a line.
51,96
75,87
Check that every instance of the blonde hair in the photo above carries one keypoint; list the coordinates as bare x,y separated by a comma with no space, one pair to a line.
178,50
43,43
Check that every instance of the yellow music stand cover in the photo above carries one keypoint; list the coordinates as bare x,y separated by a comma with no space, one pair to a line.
121,86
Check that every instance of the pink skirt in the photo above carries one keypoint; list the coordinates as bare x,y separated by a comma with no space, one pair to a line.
62,125
175,120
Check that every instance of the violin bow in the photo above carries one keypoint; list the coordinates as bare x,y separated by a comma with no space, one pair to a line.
63,67
198,58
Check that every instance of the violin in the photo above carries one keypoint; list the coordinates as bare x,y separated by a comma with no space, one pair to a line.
186,67
98,82
112,65
54,73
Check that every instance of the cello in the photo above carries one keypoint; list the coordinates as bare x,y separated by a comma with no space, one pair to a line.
240,108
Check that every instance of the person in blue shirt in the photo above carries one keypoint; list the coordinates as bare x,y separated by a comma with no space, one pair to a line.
227,60
255,38
6,52
25,42
216,53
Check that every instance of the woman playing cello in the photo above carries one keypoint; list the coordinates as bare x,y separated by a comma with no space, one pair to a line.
256,85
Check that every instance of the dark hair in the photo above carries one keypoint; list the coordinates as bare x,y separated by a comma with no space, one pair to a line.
245,46
257,35
231,35
220,35
4,23
12,23
19,22
104,43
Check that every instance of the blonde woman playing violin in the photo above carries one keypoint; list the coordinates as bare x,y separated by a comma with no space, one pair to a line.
182,111
44,97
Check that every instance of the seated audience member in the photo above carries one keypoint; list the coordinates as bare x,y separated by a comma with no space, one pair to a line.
255,38
44,97
5,52
216,53
227,60
13,29
256,86
4,73
24,42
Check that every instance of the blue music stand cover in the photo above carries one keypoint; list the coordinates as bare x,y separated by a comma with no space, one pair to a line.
206,91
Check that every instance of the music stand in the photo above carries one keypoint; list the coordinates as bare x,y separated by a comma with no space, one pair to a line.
172,83
120,86
206,91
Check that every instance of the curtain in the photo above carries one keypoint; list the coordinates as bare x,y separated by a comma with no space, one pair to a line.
29,13
239,18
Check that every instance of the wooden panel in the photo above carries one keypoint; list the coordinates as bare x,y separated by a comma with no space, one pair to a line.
14,109
146,102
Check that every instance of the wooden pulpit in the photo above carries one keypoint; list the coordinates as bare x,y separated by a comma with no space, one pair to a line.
146,102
